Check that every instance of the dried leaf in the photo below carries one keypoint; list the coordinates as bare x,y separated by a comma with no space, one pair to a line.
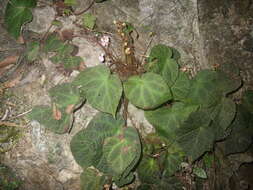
70,108
66,34
56,112
9,60
12,83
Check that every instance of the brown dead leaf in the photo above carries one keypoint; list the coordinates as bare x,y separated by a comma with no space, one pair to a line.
56,112
67,34
9,60
82,66
21,40
70,108
13,82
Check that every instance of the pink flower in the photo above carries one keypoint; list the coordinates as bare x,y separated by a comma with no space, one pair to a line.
105,40
101,57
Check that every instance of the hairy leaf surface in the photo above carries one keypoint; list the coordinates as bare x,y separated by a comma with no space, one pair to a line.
64,95
86,146
173,159
17,13
91,180
160,62
33,49
121,150
204,90
181,87
102,89
44,115
196,135
147,91
167,119
242,132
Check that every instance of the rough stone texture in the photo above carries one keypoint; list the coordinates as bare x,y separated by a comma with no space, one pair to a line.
226,29
42,19
174,23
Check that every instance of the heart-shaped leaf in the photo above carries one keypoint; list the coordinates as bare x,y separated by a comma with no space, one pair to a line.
199,172
204,89
247,100
121,150
148,170
86,146
44,115
72,62
64,95
52,43
17,13
196,135
160,62
102,89
227,84
174,158
91,179
89,20
160,52
241,136
33,49
147,91
223,115
167,119
181,87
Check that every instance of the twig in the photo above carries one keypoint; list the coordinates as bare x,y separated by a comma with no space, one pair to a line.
149,43
21,114
83,11
9,124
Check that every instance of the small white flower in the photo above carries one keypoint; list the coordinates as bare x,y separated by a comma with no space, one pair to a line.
101,57
105,40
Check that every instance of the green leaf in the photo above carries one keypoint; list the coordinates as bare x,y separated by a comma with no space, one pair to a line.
89,20
70,2
175,54
121,150
72,62
102,89
247,100
223,115
126,180
17,13
196,136
173,160
91,180
128,28
167,120
167,69
65,95
44,115
86,146
63,54
147,91
160,52
52,43
170,183
160,62
33,50
242,132
204,89
148,170
181,87
225,84
199,172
